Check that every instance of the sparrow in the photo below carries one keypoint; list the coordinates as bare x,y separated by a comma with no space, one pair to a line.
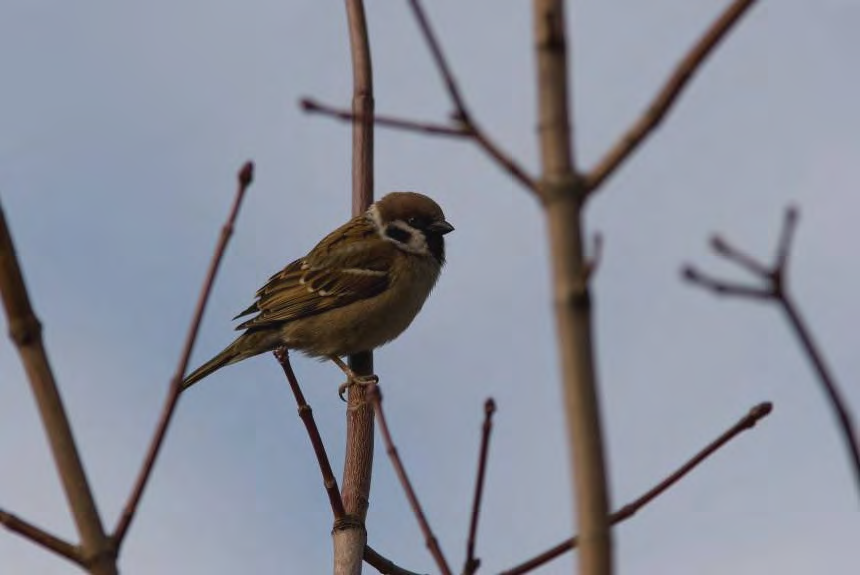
359,288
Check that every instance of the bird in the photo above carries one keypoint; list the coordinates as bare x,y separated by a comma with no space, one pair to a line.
357,289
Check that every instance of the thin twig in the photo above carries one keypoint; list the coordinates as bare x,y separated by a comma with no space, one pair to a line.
461,112
723,288
668,94
315,107
774,289
747,422
828,381
41,537
462,130
245,177
441,63
375,396
504,160
465,127
383,564
725,249
372,557
472,563
783,249
307,416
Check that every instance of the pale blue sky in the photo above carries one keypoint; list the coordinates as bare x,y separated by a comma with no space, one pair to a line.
122,126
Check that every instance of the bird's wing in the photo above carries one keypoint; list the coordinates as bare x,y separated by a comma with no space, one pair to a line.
350,264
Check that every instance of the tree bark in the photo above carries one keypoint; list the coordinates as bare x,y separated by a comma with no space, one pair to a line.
564,193
26,331
350,534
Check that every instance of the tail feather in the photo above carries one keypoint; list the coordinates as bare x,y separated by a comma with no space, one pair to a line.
245,346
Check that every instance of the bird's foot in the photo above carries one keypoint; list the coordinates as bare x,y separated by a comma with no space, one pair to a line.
355,379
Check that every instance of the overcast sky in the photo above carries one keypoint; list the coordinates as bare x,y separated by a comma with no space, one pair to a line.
122,126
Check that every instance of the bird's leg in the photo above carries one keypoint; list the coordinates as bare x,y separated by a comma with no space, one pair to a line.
352,378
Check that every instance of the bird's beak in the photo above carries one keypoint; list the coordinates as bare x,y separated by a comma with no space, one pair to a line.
441,228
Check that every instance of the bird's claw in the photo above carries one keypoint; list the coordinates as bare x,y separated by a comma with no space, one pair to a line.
360,380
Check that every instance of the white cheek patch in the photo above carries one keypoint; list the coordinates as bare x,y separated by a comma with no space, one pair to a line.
373,215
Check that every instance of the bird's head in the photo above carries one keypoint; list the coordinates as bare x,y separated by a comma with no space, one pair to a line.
413,222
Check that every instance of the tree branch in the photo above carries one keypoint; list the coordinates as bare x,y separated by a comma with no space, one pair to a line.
564,195
245,177
472,563
747,422
774,289
312,106
41,537
97,551
667,96
383,565
372,557
375,397
307,416
349,533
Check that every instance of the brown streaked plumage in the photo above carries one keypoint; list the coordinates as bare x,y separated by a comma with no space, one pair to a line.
359,288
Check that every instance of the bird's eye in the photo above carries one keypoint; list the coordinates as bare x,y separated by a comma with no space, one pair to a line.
414,222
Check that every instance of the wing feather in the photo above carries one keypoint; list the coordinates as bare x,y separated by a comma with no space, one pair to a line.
348,265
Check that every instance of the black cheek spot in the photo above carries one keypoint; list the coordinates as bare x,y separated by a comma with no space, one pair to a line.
398,234
436,245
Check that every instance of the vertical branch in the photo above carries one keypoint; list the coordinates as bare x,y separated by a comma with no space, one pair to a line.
349,534
26,331
563,192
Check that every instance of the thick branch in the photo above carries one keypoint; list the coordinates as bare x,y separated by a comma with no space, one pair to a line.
245,177
668,95
563,194
26,331
349,533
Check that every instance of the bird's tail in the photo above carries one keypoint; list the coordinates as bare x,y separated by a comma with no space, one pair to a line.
245,346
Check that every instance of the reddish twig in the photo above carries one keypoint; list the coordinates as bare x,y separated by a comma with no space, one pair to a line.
372,557
465,125
375,397
312,106
41,537
668,95
245,177
461,112
774,289
461,130
747,422
307,416
472,563
457,99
